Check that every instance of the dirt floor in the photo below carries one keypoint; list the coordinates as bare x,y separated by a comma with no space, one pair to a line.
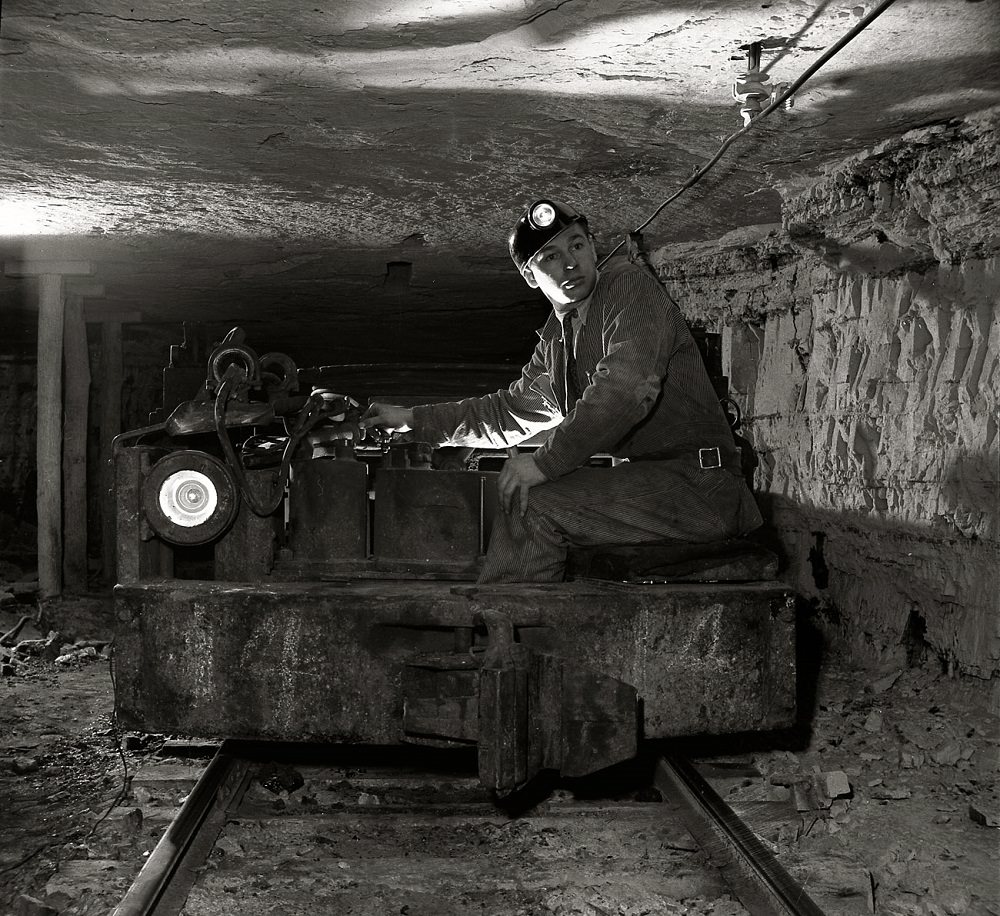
887,803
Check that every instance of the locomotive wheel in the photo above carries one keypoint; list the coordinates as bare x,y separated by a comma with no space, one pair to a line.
189,498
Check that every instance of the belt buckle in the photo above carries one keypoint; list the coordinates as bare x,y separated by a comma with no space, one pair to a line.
709,458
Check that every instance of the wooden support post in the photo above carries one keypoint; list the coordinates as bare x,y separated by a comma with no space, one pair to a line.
48,432
77,396
111,426
48,435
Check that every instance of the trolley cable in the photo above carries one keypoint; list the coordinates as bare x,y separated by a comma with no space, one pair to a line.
779,101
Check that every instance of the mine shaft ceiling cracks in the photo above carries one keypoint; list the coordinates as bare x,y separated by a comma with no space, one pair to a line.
256,161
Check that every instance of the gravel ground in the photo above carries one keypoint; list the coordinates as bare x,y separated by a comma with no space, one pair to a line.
887,805
890,805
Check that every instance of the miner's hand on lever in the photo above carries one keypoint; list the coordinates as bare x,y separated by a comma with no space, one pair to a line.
518,475
388,417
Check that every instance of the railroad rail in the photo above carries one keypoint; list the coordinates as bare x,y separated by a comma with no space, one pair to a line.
394,839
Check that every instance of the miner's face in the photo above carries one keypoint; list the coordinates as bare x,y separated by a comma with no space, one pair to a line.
565,268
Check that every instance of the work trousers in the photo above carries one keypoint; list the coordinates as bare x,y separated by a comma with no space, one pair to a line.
632,503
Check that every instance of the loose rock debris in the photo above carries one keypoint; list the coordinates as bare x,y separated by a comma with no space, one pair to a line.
893,796
889,805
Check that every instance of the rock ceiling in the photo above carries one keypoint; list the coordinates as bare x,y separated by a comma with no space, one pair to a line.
340,177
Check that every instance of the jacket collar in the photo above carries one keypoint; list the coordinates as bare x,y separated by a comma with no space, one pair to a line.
553,326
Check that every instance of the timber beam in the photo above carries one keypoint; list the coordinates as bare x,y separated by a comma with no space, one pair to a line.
52,276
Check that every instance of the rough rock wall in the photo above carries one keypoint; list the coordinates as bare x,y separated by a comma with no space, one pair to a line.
863,341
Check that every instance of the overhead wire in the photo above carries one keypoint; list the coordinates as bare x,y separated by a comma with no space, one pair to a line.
776,103
789,45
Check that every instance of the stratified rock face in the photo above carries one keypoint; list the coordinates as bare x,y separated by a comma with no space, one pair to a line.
864,344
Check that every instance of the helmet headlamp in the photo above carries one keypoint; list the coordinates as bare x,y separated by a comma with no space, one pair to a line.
538,225
542,215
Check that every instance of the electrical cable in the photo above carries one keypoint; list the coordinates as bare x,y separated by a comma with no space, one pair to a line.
232,459
790,43
732,138
117,732
122,793
310,414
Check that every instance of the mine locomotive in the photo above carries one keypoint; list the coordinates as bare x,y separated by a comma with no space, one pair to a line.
282,578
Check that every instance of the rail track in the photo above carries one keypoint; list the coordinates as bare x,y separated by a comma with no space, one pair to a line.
391,834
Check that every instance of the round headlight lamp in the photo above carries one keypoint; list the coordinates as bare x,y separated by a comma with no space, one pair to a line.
542,215
538,225
189,497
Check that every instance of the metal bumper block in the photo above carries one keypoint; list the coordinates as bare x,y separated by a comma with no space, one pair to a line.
325,661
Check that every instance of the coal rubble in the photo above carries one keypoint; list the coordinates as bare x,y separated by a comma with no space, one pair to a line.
891,806
888,803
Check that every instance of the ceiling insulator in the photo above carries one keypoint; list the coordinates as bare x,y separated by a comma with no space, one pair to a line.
753,89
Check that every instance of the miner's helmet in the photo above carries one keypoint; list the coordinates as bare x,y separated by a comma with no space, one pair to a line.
538,225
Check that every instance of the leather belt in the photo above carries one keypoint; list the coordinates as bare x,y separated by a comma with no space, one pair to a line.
707,458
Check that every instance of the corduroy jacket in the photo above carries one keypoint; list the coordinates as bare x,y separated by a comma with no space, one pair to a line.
645,390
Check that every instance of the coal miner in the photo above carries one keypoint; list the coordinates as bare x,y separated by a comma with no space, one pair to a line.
615,371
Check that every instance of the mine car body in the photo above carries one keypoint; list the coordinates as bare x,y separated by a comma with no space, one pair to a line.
280,579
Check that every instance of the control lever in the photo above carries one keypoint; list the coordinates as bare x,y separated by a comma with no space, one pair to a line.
199,416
